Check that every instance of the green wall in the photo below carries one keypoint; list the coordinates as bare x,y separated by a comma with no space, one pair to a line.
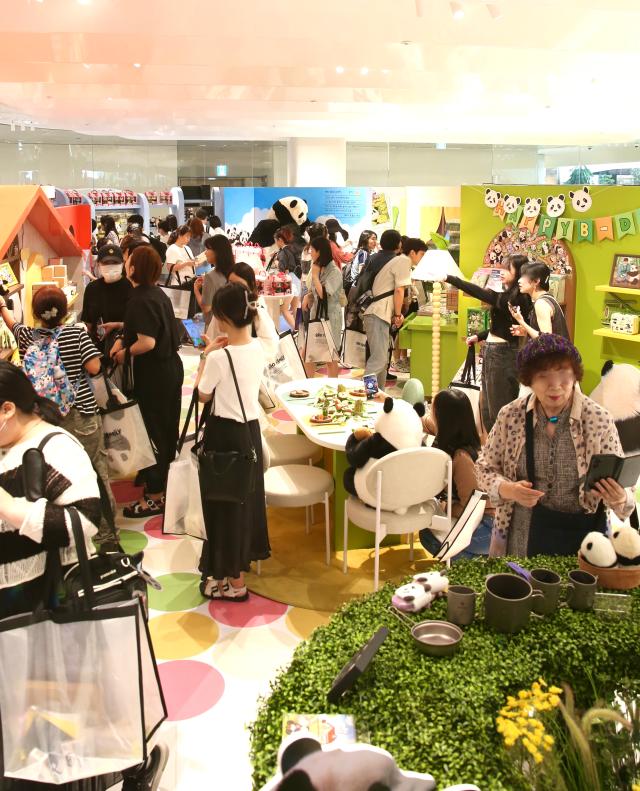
592,262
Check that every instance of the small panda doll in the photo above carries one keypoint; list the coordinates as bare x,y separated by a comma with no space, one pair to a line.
626,544
598,550
398,427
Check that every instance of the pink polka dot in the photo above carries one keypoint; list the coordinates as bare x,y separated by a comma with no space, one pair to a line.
281,414
153,527
190,688
256,611
125,491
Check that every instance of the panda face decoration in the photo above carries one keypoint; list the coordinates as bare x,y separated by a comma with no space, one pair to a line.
581,200
555,205
297,208
491,198
511,203
532,207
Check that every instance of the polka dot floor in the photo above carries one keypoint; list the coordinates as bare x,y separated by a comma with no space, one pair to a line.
215,659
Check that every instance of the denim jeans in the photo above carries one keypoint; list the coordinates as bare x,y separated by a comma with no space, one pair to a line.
500,384
478,547
87,429
378,332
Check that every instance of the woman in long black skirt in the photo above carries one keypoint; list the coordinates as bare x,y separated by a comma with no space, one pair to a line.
230,374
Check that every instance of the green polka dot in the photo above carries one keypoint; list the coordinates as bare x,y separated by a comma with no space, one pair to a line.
133,541
179,592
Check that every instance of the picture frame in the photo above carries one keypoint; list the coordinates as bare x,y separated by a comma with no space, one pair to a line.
625,271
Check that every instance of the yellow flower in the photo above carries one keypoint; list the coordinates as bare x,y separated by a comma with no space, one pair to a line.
558,691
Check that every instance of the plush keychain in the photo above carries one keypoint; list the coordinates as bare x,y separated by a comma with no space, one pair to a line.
598,550
626,544
421,592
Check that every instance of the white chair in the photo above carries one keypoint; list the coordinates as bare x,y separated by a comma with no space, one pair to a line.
292,449
403,479
300,485
460,535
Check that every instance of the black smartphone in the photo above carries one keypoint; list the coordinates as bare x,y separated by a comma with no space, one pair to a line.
624,470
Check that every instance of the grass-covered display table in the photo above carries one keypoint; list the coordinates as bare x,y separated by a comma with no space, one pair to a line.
438,715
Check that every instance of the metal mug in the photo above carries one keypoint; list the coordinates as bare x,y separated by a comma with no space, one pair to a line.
461,605
508,602
582,587
550,585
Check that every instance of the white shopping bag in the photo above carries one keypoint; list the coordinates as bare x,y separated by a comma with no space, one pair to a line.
183,514
354,348
319,344
285,366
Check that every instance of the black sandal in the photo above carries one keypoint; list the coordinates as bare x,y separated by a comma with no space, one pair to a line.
139,511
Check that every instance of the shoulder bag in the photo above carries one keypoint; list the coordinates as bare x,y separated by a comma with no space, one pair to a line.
228,476
556,532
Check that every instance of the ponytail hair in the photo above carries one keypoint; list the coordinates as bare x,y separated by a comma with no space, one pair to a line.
16,387
183,230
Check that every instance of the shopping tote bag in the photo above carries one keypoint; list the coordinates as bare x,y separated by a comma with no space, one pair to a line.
354,348
80,694
319,346
285,366
125,436
183,514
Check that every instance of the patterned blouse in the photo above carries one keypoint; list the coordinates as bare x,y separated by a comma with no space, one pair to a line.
592,431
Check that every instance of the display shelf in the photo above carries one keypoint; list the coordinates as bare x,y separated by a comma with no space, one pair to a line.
14,289
630,292
618,336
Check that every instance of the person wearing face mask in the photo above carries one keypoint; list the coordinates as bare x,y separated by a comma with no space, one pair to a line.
105,299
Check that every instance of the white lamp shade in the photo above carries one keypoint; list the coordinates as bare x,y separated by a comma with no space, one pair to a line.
436,265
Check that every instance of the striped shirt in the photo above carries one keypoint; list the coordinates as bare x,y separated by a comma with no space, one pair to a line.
69,480
76,349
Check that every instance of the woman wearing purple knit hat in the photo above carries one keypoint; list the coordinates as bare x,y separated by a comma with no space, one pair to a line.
536,458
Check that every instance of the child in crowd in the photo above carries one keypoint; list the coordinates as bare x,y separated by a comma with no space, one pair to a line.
453,424
236,533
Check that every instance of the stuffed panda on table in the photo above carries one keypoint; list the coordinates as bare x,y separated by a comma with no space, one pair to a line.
398,427
619,393
290,211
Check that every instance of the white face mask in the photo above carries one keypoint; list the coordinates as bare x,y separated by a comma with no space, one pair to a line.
111,272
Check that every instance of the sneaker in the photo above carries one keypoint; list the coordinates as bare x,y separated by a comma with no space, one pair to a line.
404,366
229,593
147,776
396,366
209,589
391,377
109,546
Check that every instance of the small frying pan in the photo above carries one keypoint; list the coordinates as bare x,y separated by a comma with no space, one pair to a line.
435,638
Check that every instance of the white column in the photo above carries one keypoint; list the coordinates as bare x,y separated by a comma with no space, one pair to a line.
317,162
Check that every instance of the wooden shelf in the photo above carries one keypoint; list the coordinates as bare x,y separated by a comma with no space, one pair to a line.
630,292
14,289
618,336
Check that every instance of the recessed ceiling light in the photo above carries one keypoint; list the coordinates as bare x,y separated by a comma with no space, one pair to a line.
386,71
137,65
87,65
340,69
457,10
406,43
364,71
83,2
109,98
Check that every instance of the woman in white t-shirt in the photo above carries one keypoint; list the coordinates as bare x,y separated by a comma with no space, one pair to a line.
179,258
236,533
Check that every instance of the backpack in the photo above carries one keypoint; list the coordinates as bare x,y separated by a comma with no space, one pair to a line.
358,261
44,367
361,295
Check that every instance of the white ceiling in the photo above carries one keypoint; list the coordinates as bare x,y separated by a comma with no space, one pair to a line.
545,72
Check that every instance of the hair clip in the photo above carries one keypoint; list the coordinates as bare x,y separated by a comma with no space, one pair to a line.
249,303
49,314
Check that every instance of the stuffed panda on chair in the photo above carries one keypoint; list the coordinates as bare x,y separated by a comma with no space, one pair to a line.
398,427
290,211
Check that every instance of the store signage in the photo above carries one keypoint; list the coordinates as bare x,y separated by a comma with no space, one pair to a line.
221,170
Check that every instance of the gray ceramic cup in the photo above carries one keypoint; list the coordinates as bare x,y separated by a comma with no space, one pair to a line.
581,592
508,602
461,605
549,584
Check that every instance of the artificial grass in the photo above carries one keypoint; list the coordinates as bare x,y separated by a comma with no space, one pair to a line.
438,715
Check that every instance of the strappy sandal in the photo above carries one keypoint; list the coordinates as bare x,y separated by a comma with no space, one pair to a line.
210,589
140,511
229,593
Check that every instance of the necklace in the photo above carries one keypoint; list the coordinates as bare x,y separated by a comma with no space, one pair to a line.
553,419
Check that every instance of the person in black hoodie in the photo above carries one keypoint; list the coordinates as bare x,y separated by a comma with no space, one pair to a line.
500,383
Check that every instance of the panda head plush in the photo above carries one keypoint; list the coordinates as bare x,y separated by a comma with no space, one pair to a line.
626,543
532,207
619,393
598,550
303,765
491,198
580,199
400,423
511,203
555,205
289,210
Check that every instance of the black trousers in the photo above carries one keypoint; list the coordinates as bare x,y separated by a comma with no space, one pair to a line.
159,393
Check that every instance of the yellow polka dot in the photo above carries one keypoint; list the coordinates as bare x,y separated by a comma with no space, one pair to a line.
253,653
303,622
178,635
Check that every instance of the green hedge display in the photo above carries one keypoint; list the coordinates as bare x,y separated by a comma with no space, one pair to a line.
438,715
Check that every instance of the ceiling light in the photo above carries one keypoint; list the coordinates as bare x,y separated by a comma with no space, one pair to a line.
386,71
457,10
13,126
87,65
109,98
494,11
83,2
339,69
419,7
441,146
137,65
364,71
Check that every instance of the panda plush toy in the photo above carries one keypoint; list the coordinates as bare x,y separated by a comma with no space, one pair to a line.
303,765
398,427
291,211
619,393
597,550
